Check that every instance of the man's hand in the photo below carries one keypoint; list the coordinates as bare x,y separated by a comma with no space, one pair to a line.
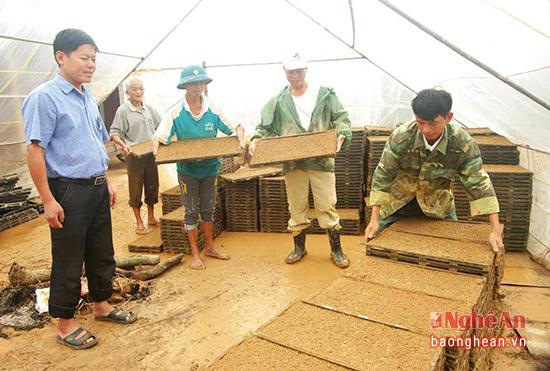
239,129
112,195
495,238
371,230
54,214
126,150
339,141
155,143
252,147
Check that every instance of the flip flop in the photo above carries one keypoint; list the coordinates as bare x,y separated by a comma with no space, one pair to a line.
75,342
117,315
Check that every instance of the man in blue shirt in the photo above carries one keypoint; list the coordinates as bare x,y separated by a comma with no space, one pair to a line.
67,162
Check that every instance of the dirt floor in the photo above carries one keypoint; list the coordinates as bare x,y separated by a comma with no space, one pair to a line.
193,317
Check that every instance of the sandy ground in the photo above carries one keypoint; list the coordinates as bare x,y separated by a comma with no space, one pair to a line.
193,317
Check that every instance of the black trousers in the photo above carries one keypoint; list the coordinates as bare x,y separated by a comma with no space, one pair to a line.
86,238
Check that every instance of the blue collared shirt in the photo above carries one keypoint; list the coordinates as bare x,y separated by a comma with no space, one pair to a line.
67,124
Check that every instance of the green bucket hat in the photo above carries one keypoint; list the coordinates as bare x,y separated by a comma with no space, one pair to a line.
193,73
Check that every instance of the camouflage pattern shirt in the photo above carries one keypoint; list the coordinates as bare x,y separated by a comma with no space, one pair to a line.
407,169
280,117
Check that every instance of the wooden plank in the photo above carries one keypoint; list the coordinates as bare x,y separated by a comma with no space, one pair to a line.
198,149
294,147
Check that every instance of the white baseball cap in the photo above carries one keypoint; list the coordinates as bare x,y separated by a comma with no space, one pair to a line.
295,62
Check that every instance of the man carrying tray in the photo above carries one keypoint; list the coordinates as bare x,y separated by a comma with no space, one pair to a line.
135,122
193,118
299,108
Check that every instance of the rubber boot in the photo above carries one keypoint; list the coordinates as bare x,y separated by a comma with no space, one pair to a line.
338,257
299,249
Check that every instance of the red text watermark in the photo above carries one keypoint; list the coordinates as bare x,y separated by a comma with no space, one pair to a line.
474,320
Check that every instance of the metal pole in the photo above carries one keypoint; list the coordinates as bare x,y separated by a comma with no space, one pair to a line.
467,56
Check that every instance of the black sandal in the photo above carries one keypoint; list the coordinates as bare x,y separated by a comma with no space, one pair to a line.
75,341
117,315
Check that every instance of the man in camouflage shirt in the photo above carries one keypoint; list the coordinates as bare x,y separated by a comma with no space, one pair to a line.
299,108
418,164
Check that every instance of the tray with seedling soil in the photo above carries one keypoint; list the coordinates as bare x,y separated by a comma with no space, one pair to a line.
349,341
150,243
372,130
255,353
16,217
246,173
479,131
198,149
142,149
276,150
390,305
496,149
435,252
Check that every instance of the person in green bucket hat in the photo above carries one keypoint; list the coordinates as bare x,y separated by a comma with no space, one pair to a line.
192,118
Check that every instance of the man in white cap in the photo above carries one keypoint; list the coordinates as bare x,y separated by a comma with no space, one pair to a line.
299,108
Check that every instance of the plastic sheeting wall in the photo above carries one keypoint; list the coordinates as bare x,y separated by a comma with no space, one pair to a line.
509,36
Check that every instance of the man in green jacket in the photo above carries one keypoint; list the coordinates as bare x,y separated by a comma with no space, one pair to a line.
418,165
299,108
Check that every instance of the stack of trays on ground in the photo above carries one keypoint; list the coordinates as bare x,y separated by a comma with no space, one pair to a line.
350,170
276,150
350,220
274,212
171,199
241,206
374,148
198,149
376,317
174,235
513,187
450,245
15,206
150,243
496,149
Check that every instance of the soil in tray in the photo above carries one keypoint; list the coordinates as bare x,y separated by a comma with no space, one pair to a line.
351,341
258,354
172,191
198,149
506,169
294,147
245,173
461,231
413,278
151,239
495,140
142,149
469,252
390,305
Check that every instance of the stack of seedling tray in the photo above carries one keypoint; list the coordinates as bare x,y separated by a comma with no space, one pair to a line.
374,148
171,199
513,187
241,206
174,235
496,149
15,206
349,171
274,212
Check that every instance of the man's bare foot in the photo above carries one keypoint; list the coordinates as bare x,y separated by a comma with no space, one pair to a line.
66,327
140,229
214,253
196,263
153,221
102,309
